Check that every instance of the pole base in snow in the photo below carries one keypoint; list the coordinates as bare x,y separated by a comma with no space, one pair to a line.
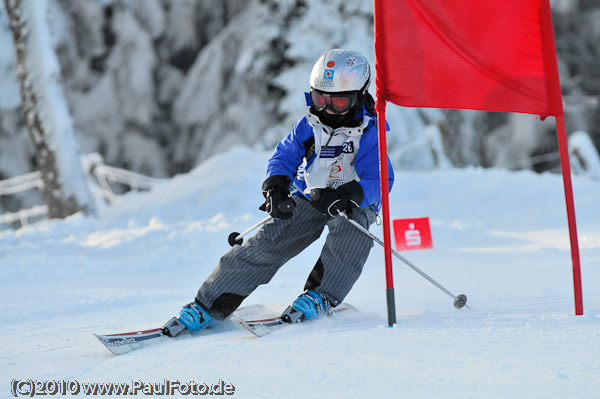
460,301
391,306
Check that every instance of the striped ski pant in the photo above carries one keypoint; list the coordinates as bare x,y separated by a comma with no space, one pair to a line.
244,267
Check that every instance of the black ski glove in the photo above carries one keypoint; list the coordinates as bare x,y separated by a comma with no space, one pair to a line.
344,198
278,201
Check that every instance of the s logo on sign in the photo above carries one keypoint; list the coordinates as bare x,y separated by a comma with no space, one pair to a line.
412,234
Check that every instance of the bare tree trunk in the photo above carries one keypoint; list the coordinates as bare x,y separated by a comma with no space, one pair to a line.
46,112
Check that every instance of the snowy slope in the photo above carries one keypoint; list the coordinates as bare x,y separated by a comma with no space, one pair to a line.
500,238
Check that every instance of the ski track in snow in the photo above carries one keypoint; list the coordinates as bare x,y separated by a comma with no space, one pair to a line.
500,237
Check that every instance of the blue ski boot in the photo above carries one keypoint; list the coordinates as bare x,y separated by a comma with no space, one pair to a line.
191,318
310,305
194,318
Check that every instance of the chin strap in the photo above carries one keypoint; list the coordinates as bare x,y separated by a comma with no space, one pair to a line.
314,121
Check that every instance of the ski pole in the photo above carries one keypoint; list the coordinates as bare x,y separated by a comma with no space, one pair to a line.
459,301
237,238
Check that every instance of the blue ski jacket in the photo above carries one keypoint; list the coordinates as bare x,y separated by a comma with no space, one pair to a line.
315,155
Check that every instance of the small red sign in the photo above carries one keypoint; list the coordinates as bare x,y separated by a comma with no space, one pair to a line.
412,234
330,64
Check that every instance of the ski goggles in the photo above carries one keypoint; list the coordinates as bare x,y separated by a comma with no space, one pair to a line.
336,102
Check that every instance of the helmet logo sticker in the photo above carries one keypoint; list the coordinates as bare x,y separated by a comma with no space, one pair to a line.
331,64
328,74
351,61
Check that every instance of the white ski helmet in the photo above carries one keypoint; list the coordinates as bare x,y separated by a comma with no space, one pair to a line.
340,70
339,82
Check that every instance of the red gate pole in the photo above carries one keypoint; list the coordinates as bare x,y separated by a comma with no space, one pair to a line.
554,94
566,173
385,207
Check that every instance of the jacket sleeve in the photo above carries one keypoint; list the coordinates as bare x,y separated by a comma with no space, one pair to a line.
290,151
367,168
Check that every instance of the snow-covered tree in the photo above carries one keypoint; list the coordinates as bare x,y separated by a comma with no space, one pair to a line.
46,112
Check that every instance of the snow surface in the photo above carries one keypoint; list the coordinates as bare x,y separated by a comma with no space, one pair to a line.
500,238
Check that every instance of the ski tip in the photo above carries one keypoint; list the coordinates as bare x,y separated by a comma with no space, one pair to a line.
119,344
104,341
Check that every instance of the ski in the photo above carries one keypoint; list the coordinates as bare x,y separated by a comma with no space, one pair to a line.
262,327
122,343
126,342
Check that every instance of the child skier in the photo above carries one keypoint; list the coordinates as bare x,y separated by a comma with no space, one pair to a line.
333,151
